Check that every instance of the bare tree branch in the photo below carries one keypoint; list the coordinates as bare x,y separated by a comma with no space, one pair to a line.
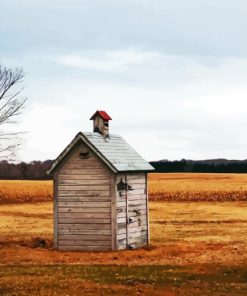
11,106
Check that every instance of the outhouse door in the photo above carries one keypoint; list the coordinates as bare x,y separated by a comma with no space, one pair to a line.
132,210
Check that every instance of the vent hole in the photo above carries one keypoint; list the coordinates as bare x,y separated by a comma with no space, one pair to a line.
84,155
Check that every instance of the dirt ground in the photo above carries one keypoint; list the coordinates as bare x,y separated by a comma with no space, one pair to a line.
197,248
181,234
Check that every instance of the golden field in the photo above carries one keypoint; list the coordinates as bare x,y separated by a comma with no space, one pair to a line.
162,187
15,191
197,187
197,248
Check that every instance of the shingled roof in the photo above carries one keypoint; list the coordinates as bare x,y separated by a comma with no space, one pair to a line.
114,151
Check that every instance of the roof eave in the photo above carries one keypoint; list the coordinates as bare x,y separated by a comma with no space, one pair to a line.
135,171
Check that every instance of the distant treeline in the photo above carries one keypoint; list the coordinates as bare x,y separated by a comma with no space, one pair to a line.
35,170
201,166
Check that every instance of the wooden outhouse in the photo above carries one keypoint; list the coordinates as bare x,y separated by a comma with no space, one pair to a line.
100,192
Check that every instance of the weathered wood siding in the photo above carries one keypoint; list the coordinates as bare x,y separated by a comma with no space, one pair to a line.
84,202
132,204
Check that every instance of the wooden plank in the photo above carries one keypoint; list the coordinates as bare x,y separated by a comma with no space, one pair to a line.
87,182
132,214
85,168
123,242
135,218
84,226
84,176
84,198
76,158
121,226
85,161
121,204
84,232
137,197
87,237
137,228
136,191
121,220
142,233
136,187
127,215
81,171
140,207
132,197
83,193
83,221
84,210
90,160
132,226
141,240
55,212
121,231
135,176
84,243
143,218
82,166
113,212
76,154
120,198
137,203
121,210
85,248
147,210
121,215
136,224
84,204
137,181
121,236
96,187
92,163
85,215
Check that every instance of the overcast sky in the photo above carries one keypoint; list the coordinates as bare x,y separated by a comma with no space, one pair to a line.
171,74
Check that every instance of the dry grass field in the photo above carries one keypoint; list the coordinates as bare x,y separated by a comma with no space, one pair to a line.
162,187
19,191
198,187
197,248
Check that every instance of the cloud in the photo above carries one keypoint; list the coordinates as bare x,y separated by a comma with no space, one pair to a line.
116,61
165,106
192,27
171,74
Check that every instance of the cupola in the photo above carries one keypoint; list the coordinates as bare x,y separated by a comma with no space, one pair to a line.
101,123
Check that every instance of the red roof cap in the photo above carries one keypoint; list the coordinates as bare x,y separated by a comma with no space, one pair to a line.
103,114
